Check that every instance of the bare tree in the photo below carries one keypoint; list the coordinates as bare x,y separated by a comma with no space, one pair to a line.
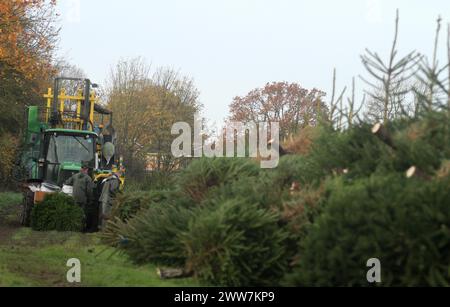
183,87
336,104
145,107
65,69
430,77
345,116
388,89
127,99
353,110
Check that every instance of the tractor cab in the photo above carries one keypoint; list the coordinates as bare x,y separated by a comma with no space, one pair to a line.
63,153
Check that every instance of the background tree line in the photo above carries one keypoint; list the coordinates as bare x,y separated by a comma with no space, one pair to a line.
289,104
28,38
145,103
145,106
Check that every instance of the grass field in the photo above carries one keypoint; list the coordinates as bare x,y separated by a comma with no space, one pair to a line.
29,258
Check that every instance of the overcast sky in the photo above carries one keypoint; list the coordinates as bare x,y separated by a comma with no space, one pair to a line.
230,47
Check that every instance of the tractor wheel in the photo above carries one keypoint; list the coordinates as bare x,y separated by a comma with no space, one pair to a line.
27,206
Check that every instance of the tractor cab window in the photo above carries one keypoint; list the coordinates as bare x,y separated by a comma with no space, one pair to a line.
70,148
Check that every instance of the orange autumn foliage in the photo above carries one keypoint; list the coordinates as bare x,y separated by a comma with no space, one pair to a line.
301,143
27,41
27,37
289,104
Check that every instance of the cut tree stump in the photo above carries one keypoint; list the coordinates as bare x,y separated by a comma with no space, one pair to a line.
282,151
295,188
414,172
383,134
340,171
172,273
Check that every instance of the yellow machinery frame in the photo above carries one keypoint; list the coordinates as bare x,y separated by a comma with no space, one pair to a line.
70,118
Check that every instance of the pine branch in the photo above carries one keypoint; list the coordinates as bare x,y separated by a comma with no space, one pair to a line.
391,75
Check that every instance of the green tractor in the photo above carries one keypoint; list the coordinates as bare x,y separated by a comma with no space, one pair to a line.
71,130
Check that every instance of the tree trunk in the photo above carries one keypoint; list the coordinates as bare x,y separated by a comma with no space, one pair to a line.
172,273
414,172
381,132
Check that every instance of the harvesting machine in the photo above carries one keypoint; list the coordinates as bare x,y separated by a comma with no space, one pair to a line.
71,129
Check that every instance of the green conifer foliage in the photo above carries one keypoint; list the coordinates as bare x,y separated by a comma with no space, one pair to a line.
152,235
236,244
403,222
205,174
128,204
57,212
